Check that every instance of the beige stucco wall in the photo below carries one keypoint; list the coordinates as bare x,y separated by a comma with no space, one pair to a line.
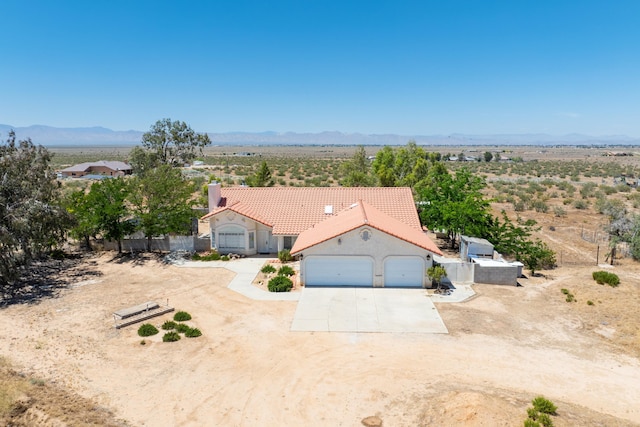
379,247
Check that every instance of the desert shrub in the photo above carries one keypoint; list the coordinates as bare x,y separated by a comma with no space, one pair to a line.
268,269
181,316
567,201
280,284
564,291
147,329
602,277
286,270
580,204
212,256
224,258
570,298
589,302
532,413
192,333
169,325
545,420
531,423
171,337
544,406
182,328
540,206
559,211
285,255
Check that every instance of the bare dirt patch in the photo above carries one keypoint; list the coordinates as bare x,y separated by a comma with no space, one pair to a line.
506,346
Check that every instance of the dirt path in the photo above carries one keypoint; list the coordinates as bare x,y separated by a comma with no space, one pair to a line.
505,347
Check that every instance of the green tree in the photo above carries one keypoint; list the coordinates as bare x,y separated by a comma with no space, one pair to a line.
142,160
384,167
454,203
174,142
437,273
488,156
262,178
84,225
356,171
162,202
32,220
106,210
537,255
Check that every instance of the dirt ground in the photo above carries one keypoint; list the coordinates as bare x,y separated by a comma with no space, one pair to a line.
505,347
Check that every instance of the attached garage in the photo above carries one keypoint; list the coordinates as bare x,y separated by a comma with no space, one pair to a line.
404,271
338,271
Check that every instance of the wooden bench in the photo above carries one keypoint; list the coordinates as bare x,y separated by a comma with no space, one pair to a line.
138,313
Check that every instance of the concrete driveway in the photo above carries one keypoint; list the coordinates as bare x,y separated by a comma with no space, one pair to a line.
367,310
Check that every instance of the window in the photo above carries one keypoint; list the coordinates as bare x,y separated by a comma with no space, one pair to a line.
213,239
252,239
365,235
231,238
289,241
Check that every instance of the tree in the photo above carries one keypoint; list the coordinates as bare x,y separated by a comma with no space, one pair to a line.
356,170
454,203
174,142
162,202
384,167
437,273
32,220
262,178
537,255
106,210
488,156
142,161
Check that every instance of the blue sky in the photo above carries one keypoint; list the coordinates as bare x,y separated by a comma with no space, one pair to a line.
404,67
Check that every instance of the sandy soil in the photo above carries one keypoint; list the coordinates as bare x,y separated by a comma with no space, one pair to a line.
506,346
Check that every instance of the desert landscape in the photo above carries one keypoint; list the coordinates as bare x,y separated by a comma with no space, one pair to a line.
66,364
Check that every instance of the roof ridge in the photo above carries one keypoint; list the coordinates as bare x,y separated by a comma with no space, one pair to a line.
364,212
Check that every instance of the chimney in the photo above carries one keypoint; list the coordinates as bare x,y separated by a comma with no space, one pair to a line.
215,194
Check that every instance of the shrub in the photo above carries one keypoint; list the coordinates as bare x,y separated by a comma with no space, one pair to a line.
530,423
532,413
193,333
169,325
285,270
280,284
213,256
545,420
147,329
559,211
580,204
544,406
285,255
570,298
602,277
171,337
589,302
182,328
224,258
268,269
181,316
564,291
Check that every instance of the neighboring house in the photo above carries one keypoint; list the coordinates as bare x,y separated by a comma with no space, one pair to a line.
356,236
102,167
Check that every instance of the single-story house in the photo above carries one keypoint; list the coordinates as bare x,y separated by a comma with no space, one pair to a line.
102,167
355,236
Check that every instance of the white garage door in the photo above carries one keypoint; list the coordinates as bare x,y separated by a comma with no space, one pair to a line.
403,271
338,271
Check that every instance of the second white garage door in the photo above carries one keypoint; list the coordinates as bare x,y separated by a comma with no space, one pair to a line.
338,271
404,271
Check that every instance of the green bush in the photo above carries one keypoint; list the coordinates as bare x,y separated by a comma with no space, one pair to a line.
213,256
285,255
530,423
193,333
147,329
268,269
224,258
169,325
182,328
285,270
171,337
544,406
545,420
589,302
564,291
280,284
181,316
602,277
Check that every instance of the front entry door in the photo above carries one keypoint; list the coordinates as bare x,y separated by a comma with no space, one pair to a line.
264,238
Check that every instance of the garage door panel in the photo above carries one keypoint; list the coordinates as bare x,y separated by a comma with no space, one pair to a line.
404,271
338,271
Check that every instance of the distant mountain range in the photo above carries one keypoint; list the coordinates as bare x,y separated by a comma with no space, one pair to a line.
100,136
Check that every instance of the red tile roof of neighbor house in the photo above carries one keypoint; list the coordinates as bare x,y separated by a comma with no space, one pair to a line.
290,211
358,215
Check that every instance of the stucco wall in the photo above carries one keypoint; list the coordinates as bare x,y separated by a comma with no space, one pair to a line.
379,246
502,275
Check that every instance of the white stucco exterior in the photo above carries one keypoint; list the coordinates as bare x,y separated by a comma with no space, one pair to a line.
379,246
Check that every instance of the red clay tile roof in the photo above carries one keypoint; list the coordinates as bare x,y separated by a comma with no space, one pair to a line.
292,210
358,215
